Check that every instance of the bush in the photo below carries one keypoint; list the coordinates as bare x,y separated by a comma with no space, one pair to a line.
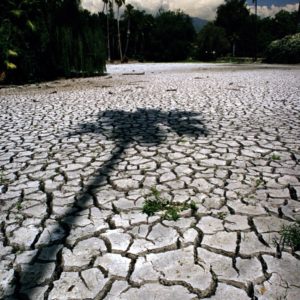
285,50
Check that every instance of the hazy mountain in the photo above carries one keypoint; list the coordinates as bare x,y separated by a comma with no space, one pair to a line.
198,23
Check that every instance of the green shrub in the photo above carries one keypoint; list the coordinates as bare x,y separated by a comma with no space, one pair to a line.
286,50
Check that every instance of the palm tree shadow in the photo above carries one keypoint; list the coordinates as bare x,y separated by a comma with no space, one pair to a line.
144,127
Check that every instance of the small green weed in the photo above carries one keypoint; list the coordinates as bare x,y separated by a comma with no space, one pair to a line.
150,207
275,157
172,213
193,206
155,203
3,180
222,215
258,182
155,192
19,205
290,236
182,140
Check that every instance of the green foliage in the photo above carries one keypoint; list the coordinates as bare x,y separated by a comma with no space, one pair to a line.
222,215
155,203
172,37
18,205
233,16
150,207
44,39
211,43
275,157
285,50
290,236
2,178
258,182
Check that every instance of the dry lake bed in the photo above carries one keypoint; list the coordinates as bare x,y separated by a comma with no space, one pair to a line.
156,181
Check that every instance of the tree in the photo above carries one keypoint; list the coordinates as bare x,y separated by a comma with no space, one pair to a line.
172,37
232,16
44,39
127,16
17,30
119,4
211,42
106,2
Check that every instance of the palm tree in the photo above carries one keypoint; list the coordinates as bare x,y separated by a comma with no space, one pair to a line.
128,14
255,11
298,18
119,4
106,2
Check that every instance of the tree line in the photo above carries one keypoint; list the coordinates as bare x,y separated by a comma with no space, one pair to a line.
45,39
237,32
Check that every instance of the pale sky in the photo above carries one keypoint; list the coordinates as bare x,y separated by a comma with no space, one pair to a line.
205,9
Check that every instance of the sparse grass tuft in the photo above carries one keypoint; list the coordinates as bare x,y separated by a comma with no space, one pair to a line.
275,157
222,215
155,203
172,213
290,236
3,180
258,182
150,207
19,205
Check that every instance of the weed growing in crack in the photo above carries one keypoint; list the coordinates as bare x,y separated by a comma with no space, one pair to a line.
222,215
275,157
18,205
290,236
150,207
172,213
258,182
155,193
155,203
193,206
3,180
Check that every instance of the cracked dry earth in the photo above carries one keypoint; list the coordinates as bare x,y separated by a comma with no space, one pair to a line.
79,158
